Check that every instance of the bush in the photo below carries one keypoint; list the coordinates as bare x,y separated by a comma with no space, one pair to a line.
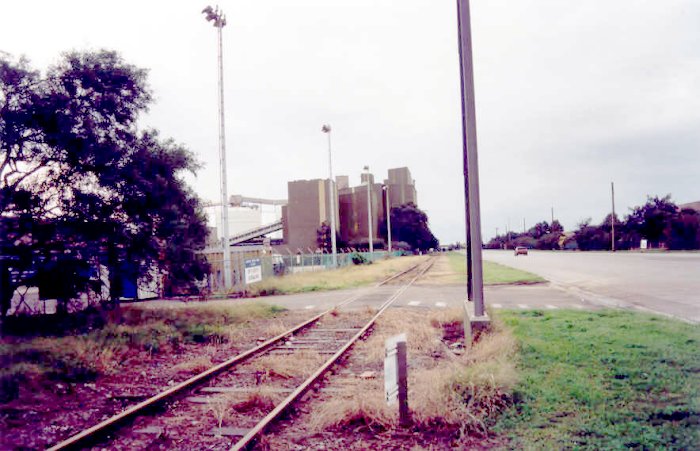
359,259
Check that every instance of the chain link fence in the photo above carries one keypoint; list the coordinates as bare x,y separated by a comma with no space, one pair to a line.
253,266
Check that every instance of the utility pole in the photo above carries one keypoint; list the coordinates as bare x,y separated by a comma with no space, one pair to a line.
524,229
327,130
508,231
219,22
612,218
475,280
552,216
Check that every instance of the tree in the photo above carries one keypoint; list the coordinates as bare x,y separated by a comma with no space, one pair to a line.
652,219
410,224
684,230
591,237
81,186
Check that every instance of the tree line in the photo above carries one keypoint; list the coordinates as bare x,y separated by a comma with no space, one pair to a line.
410,232
82,187
659,221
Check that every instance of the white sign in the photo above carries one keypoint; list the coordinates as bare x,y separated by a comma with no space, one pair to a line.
391,368
253,270
643,244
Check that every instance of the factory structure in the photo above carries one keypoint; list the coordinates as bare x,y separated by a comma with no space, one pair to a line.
291,225
311,202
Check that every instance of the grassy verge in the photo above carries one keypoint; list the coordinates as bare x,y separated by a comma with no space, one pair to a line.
604,380
348,277
494,274
134,329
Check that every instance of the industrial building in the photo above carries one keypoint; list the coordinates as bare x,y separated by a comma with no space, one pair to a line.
309,206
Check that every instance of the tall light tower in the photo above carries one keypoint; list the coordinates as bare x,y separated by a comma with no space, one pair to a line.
369,212
218,19
388,218
327,130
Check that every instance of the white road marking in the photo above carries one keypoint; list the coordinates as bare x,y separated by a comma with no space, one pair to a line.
497,306
522,305
309,307
440,304
551,307
414,303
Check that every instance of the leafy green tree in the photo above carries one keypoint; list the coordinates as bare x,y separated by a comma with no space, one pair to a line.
653,219
410,224
81,185
591,237
684,230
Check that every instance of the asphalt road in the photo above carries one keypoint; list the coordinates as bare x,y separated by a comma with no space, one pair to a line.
665,282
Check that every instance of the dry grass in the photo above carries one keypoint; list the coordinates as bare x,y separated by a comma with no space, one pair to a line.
466,393
223,407
357,406
273,329
423,337
300,364
260,399
220,407
461,394
348,277
193,366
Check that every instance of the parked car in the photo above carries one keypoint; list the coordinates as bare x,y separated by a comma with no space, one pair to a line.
520,250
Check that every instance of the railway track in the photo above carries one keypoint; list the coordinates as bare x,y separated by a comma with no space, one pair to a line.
250,390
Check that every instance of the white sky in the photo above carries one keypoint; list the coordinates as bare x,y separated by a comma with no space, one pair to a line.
570,94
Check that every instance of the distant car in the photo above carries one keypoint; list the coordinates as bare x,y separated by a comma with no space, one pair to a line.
520,250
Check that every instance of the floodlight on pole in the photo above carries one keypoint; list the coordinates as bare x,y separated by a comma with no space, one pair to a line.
218,19
369,211
327,130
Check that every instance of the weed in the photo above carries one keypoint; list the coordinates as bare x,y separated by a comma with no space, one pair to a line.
220,406
357,408
261,399
192,366
300,364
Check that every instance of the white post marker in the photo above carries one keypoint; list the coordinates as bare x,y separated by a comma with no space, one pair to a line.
396,376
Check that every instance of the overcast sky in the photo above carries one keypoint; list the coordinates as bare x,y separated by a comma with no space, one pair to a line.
570,94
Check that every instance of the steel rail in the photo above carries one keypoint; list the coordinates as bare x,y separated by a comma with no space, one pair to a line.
86,435
250,437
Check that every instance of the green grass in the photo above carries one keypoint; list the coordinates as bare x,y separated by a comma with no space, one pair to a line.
85,356
494,274
604,380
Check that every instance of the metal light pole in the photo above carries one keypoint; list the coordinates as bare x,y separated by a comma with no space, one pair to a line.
218,19
369,213
475,288
388,217
327,130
